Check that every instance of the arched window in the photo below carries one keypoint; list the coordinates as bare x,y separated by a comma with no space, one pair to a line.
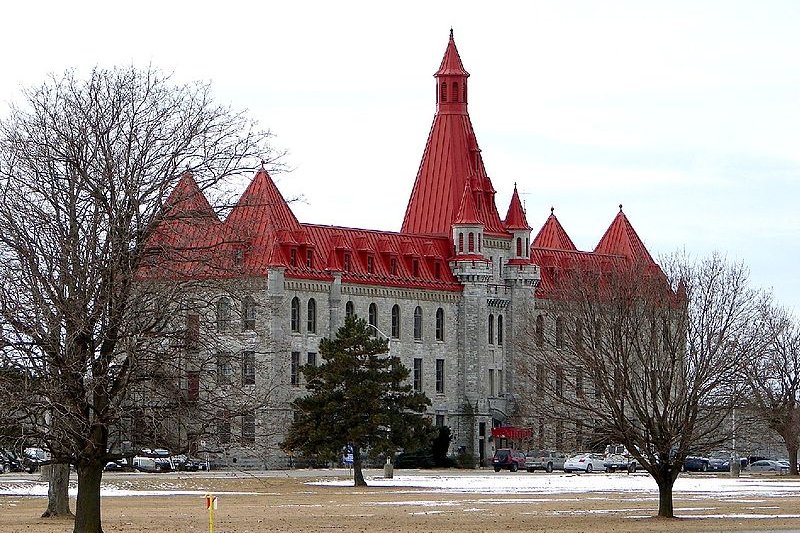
559,332
295,315
491,329
418,323
519,246
372,316
500,330
349,309
440,324
223,314
311,326
443,92
460,242
471,241
539,331
396,321
455,92
248,314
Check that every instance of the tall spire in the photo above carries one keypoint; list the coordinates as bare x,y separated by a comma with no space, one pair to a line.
621,239
452,157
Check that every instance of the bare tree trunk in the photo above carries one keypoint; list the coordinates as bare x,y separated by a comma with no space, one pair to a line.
665,481
358,475
57,491
87,506
792,450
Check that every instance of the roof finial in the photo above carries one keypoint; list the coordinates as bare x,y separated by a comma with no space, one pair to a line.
451,32
552,209
262,164
620,208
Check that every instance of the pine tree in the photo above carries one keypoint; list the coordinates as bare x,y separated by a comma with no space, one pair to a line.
359,397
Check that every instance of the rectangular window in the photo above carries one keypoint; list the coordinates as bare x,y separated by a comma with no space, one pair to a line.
294,375
192,332
370,265
415,268
439,421
346,263
500,382
193,385
440,376
248,428
223,427
224,368
293,257
312,358
491,382
310,258
393,266
437,270
248,368
559,382
418,374
540,381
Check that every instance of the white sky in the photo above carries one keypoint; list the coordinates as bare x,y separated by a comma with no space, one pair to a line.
687,113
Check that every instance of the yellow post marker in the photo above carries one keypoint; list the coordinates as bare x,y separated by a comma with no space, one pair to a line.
211,504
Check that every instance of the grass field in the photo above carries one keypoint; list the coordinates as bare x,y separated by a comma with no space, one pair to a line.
444,501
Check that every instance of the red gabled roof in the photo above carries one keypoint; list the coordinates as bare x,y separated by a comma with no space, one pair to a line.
451,157
515,218
451,62
466,211
552,235
621,239
259,219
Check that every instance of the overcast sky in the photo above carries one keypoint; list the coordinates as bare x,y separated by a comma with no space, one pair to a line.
687,113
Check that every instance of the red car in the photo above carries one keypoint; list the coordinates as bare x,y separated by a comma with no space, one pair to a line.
506,458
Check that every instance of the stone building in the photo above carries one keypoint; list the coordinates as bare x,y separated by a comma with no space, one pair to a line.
452,290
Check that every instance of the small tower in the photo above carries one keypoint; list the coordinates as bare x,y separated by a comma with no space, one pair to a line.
451,82
517,225
467,228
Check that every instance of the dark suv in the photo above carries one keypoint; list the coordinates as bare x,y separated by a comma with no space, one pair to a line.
509,459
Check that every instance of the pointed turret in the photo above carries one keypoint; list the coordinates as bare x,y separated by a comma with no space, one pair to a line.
553,236
621,239
517,225
260,219
467,227
452,157
187,200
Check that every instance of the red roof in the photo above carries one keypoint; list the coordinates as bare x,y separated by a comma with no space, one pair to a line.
552,235
466,211
451,157
515,218
621,239
451,62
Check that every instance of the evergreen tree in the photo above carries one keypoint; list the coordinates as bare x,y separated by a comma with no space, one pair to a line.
359,397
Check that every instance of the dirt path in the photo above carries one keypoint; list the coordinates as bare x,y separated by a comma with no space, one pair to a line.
287,504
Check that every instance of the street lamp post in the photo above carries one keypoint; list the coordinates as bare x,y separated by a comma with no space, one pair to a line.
388,468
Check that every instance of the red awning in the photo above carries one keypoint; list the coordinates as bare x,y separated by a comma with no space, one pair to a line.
512,433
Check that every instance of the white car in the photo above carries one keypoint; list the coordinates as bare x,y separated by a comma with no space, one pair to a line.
766,465
585,462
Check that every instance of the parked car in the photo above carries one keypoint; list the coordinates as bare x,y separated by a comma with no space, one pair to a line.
184,463
695,463
153,461
617,457
768,465
509,459
719,462
586,462
115,466
544,460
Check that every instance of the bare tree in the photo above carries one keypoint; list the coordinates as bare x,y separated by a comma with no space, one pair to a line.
774,380
85,165
644,357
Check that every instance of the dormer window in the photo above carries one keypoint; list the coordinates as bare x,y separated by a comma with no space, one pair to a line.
393,266
310,258
346,263
293,257
415,268
370,264
437,270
